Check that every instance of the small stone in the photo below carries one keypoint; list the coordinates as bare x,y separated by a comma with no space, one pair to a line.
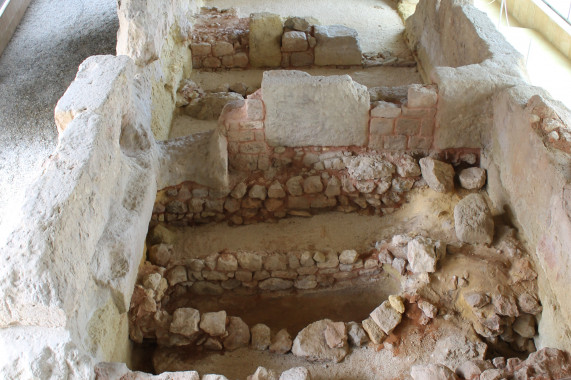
275,262
212,344
249,261
311,343
385,110
243,275
160,254
492,374
399,264
276,190
499,362
299,23
336,335
258,192
230,284
397,303
281,343
471,369
306,282
432,372
312,185
200,49
422,96
185,322
348,256
407,166
152,281
356,334
529,304
294,186
505,305
238,334
333,187
239,190
331,260
294,41
376,335
275,284
438,175
297,373
386,317
427,308
423,254
261,337
473,220
263,374
176,275
227,263
214,323
476,299
239,88
472,178
306,259
261,275
524,325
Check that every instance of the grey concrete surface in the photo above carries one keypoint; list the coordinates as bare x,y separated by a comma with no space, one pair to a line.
36,67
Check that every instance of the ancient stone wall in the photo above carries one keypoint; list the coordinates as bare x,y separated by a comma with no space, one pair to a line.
484,100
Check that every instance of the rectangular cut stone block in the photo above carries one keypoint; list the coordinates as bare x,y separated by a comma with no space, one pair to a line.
305,110
385,109
304,58
294,41
407,126
337,45
394,142
265,40
382,126
416,142
420,96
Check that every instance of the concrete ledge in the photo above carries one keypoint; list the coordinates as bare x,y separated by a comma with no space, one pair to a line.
11,12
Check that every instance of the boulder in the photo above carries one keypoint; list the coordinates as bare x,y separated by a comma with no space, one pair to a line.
356,334
438,175
423,254
185,322
214,323
265,40
330,110
263,374
261,337
472,178
432,372
311,344
297,373
473,220
281,343
337,45
238,334
386,317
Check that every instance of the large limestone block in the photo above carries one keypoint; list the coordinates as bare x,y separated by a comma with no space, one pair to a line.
337,45
305,110
311,343
265,40
473,220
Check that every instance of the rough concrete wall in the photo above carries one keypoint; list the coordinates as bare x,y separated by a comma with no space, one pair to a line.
460,50
532,181
73,259
156,35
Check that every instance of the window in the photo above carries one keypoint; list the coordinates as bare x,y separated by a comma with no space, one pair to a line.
561,7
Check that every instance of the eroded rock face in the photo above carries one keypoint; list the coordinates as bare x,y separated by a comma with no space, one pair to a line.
311,343
473,220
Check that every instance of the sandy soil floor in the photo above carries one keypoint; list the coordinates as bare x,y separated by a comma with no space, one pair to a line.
36,68
377,22
425,211
370,77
